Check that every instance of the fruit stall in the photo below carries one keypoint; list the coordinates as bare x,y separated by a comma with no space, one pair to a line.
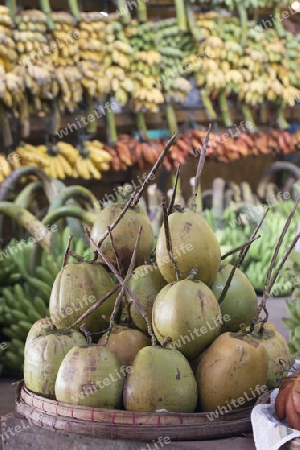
149,224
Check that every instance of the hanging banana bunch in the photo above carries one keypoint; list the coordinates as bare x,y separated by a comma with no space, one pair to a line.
145,68
8,55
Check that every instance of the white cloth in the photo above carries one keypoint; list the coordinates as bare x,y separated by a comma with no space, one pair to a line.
269,433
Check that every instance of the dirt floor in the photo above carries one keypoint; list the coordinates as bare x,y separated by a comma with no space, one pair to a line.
277,310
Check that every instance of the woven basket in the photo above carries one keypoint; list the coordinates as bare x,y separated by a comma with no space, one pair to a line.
119,424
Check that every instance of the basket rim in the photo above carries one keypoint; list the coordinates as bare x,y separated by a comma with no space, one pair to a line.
24,395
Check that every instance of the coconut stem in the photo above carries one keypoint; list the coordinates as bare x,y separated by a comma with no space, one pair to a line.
124,286
199,169
95,305
192,274
66,256
129,291
166,341
118,259
172,201
86,332
154,169
168,238
241,247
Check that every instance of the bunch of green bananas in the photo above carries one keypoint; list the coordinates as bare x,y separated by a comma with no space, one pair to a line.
24,297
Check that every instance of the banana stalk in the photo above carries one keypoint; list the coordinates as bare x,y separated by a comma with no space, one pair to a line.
208,105
275,167
12,6
248,115
282,122
50,219
218,201
29,222
192,24
171,118
74,9
68,211
46,8
24,117
92,125
25,199
225,113
180,15
28,194
243,20
76,193
7,136
124,12
141,125
277,23
55,118
10,183
111,131
142,11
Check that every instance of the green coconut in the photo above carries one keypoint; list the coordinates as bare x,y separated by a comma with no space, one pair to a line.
43,356
146,283
187,312
240,302
125,343
193,244
76,288
231,373
160,379
278,352
90,376
124,234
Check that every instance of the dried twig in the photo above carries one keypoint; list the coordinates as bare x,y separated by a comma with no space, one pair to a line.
128,290
124,287
246,249
154,169
172,201
118,259
280,240
236,265
268,288
269,282
168,238
199,169
95,306
66,256
241,247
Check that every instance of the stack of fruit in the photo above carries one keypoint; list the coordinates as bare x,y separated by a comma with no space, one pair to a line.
117,61
8,56
63,160
91,43
145,68
11,84
201,357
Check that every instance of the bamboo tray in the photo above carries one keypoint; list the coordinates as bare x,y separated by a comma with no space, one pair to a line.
119,424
